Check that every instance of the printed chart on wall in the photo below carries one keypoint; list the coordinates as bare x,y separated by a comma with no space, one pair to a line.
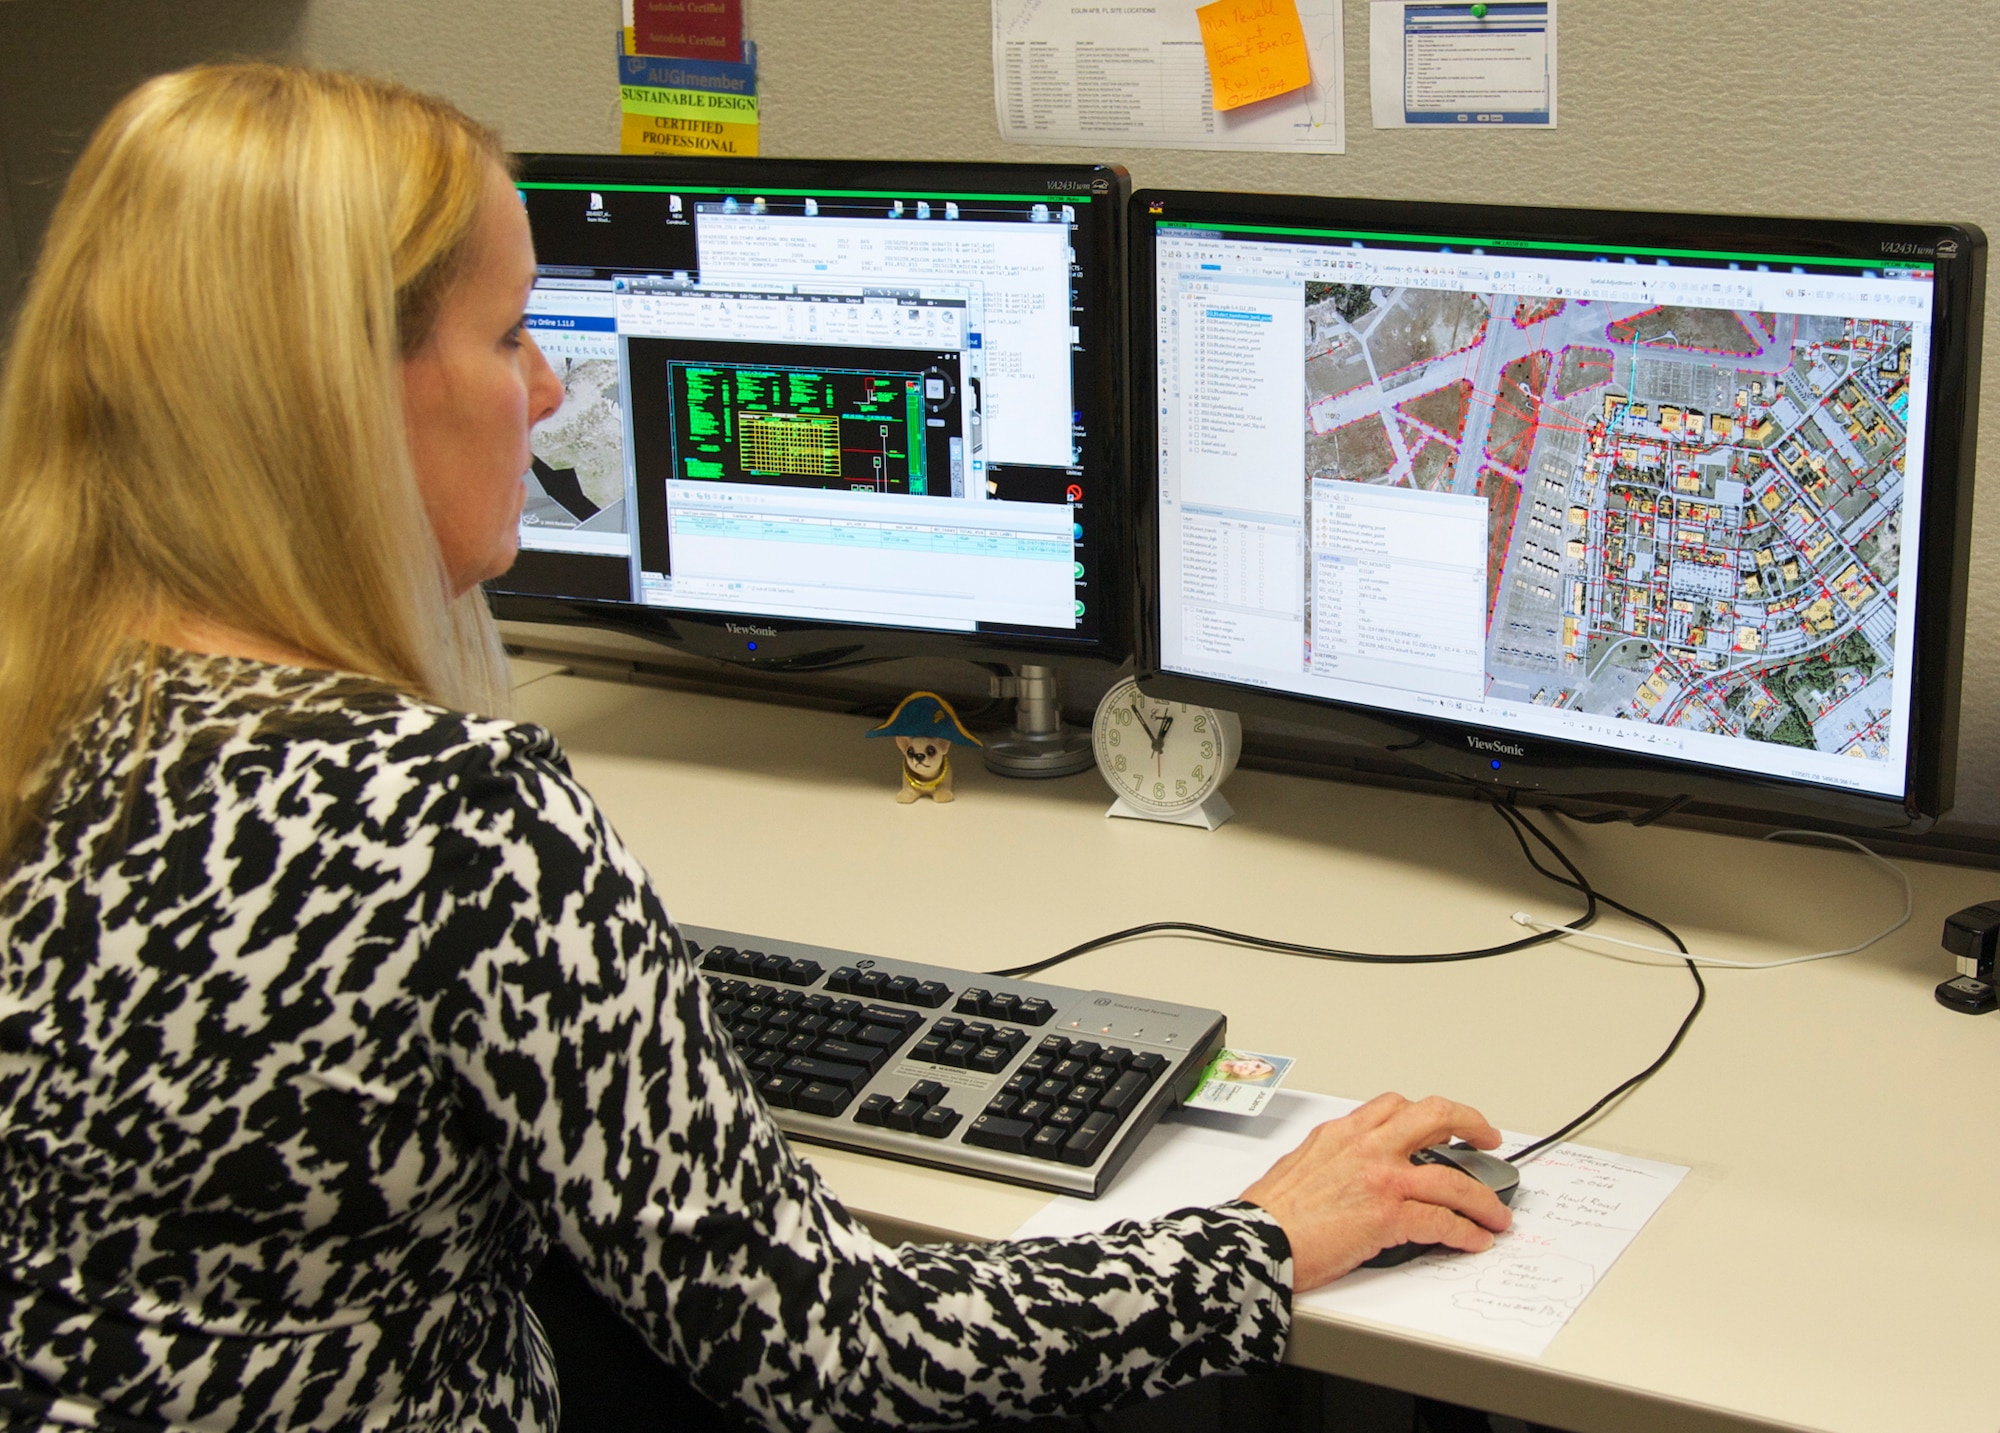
1138,74
1462,65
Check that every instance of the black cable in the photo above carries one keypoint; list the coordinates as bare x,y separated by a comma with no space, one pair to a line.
1317,952
1522,829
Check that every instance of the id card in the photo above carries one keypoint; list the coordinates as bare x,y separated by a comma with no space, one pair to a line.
1240,1082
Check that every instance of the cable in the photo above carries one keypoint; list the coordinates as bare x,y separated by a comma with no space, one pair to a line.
1522,829
1317,952
1909,908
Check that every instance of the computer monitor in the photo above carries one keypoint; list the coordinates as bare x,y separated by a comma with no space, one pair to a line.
1618,505
823,412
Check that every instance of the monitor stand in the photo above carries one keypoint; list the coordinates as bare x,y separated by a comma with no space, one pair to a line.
1038,744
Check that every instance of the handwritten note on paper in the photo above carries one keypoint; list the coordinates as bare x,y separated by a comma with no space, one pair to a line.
1256,49
1578,1209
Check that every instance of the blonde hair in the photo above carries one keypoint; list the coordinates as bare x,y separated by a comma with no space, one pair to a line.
201,413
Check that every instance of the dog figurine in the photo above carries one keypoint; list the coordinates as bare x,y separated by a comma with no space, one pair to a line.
924,726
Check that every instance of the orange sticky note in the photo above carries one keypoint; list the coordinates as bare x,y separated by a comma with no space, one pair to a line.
1256,49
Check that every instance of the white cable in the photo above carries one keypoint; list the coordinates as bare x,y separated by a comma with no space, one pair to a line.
1909,906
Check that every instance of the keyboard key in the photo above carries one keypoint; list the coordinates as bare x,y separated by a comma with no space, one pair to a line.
842,979
892,1015
716,957
1148,1063
801,1042
958,1053
1089,1139
930,1048
1054,1046
803,972
758,1011
806,1067
929,1091
781,1019
1126,1094
778,1090
871,1109
1066,1115
1038,1066
930,994
937,1121
766,1062
811,1024
740,962
1047,1142
1002,1105
816,1097
1102,1074
1001,1006
837,1029
1020,1085
1070,1069
947,1027
994,1132
868,1057
727,1010
899,987
1051,1089
971,1001
1114,1055
770,1038
816,1004
868,984
769,967
1034,1011
989,1058
1086,1051
1010,1039
845,1010
791,1000
978,1032
904,1114
1086,1094
1034,1111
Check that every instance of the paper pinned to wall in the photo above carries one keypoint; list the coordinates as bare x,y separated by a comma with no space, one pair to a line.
1470,65
1136,74
1256,50
1577,1210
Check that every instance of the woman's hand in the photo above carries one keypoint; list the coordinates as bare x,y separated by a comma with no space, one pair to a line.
1350,1191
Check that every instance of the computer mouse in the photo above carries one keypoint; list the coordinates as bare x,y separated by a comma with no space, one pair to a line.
1489,1169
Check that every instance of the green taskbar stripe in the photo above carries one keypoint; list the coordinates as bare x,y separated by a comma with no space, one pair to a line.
1554,245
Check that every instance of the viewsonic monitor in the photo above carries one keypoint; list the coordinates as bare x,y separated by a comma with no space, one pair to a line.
1619,505
826,412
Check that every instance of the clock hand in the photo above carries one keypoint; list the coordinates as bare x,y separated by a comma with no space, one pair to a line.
1166,725
1138,712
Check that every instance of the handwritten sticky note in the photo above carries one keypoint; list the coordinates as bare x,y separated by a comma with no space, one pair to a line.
1256,49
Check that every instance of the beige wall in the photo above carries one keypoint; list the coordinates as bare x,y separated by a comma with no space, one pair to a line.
1788,106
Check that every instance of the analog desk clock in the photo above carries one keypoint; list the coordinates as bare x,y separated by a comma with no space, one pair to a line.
1165,760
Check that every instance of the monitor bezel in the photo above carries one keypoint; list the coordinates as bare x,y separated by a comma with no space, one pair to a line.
1536,766
794,644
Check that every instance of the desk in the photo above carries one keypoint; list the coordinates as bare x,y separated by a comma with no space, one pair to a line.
1832,1261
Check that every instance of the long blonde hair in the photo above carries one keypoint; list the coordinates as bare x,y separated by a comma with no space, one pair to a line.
201,412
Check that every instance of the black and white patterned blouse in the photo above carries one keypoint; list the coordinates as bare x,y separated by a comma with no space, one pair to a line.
324,1012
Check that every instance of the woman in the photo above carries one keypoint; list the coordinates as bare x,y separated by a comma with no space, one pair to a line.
326,1005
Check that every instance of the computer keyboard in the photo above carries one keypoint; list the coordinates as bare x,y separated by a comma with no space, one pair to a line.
1011,1079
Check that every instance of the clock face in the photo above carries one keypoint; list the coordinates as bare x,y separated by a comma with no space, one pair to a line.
1162,756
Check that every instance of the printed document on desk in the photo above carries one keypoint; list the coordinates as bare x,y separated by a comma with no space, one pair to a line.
1577,1210
1067,72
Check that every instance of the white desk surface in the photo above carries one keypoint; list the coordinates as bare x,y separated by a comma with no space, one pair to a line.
1831,1263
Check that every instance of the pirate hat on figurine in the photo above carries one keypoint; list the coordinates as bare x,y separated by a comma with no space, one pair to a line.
925,714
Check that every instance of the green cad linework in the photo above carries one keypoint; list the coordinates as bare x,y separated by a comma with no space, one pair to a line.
859,430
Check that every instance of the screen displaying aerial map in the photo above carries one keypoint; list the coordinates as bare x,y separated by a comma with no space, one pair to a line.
1693,513
1637,503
